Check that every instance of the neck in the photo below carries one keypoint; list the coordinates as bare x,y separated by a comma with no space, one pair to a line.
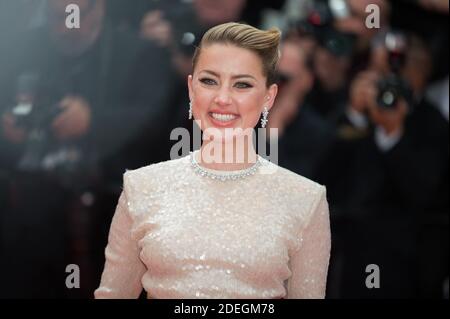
226,156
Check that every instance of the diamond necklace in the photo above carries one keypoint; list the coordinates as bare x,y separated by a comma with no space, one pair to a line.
224,175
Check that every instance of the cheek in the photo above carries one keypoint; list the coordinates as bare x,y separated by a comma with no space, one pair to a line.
202,99
250,109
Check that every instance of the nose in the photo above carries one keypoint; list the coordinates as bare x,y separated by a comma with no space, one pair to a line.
223,97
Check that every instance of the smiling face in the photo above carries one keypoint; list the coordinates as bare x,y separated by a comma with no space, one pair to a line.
228,88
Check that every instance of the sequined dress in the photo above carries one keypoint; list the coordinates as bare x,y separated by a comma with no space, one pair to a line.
179,234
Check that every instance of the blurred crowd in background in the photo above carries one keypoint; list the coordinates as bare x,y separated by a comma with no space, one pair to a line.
363,111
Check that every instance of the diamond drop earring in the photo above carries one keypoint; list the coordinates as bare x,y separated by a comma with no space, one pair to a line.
190,110
264,119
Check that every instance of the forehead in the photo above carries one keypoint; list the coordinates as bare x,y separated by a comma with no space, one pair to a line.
229,59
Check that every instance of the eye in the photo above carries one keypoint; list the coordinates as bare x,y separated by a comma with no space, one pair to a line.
243,85
208,81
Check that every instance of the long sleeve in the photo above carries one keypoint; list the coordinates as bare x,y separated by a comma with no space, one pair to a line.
124,269
309,264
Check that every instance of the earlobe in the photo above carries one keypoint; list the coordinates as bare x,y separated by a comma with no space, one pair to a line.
269,103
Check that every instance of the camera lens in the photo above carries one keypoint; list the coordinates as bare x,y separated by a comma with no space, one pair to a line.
388,98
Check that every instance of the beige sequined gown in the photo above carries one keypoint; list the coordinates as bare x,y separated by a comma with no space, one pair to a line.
178,234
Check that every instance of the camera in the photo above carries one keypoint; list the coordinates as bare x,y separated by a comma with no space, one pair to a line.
186,30
32,109
29,116
393,87
35,112
320,25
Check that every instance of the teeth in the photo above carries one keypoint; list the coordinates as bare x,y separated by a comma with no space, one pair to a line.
223,117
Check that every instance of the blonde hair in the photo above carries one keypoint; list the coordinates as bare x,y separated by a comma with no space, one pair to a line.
264,43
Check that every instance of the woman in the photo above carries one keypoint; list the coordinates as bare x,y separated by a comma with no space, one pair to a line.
241,228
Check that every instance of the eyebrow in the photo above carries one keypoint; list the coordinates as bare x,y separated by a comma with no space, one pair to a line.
238,76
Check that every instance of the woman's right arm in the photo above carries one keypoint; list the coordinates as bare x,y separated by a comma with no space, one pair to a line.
124,269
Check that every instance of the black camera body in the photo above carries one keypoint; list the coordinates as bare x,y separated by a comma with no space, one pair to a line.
39,116
320,24
391,89
34,109
394,87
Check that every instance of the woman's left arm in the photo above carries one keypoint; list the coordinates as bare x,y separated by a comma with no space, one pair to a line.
309,264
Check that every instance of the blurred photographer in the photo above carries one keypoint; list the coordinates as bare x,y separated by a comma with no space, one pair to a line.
332,54
354,17
393,88
343,43
388,161
76,106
